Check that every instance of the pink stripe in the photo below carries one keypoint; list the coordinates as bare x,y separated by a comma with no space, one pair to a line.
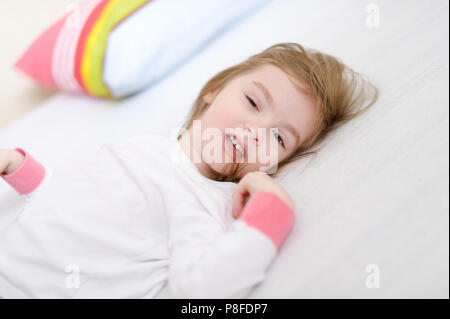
269,214
37,60
28,176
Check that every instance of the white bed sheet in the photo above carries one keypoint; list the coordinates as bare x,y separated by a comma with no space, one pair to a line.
377,193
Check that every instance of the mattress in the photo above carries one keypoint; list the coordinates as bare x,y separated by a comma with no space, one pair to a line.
372,206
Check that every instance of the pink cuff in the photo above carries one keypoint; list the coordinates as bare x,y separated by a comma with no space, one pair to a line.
269,214
27,177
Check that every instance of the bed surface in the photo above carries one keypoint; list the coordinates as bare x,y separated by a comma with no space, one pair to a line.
376,194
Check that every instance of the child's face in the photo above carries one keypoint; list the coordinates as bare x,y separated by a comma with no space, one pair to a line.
251,106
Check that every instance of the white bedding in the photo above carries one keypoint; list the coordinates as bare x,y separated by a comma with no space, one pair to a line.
377,193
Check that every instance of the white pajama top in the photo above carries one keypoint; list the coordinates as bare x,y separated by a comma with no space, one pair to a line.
133,219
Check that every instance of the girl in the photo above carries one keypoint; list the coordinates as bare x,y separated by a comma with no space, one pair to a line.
198,212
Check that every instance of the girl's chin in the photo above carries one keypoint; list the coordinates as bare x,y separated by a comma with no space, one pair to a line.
225,169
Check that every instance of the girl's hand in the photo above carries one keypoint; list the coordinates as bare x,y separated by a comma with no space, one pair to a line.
10,160
253,182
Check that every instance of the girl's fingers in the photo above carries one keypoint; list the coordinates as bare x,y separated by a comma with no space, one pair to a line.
252,183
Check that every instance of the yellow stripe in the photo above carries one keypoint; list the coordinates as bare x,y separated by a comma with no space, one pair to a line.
92,63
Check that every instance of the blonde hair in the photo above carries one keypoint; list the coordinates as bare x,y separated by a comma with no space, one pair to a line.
340,93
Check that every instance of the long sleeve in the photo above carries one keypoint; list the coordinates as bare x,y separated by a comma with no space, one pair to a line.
26,178
208,262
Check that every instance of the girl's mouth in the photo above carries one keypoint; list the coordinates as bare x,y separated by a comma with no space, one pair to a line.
232,147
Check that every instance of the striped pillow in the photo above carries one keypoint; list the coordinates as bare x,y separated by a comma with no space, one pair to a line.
114,48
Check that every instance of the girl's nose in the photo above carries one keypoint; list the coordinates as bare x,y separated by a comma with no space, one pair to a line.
253,133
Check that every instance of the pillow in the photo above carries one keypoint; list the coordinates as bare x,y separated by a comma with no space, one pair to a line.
115,48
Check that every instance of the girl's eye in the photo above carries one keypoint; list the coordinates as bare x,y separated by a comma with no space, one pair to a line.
252,102
279,139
